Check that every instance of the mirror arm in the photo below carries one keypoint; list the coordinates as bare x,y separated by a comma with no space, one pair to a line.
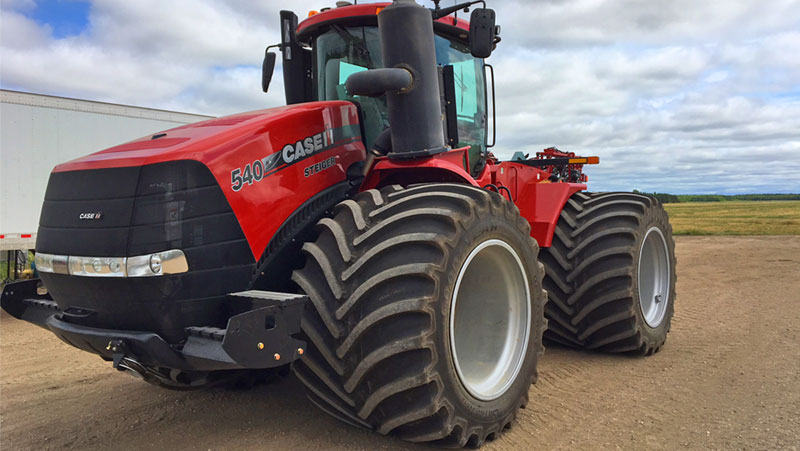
443,12
268,66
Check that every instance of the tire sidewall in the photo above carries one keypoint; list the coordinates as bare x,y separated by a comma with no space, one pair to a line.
481,229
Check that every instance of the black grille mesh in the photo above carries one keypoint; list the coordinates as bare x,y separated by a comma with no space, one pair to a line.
175,205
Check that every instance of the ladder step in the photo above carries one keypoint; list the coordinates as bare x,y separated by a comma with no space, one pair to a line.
42,303
268,296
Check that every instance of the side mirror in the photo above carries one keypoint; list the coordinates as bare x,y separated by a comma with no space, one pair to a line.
482,32
267,69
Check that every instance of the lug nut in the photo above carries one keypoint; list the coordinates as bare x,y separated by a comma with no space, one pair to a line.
260,346
658,299
300,351
277,356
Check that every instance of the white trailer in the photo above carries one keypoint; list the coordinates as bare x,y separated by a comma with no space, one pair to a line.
37,132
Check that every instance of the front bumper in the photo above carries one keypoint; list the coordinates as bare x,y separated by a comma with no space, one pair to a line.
261,336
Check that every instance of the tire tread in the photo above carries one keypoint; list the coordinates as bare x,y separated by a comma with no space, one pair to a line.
369,383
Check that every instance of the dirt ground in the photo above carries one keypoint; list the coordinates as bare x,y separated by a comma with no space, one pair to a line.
728,378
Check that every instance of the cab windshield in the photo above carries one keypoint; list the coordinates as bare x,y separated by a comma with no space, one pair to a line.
343,51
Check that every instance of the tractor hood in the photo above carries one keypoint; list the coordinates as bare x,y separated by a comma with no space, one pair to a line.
263,164
269,130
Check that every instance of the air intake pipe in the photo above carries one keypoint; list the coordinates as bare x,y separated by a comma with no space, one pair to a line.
414,105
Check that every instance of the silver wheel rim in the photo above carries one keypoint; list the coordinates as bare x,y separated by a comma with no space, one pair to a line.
654,277
490,320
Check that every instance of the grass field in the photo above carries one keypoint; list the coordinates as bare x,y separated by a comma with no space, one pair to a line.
735,218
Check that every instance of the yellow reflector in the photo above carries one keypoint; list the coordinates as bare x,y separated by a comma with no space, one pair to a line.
590,160
379,9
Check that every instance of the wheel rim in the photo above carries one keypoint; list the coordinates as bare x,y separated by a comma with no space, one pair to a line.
490,320
654,277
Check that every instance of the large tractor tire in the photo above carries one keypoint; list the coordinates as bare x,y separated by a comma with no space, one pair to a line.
426,313
610,274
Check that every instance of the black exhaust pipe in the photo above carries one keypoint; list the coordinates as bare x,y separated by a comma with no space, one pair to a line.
415,111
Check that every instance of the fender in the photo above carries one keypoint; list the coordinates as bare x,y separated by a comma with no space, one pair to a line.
538,200
445,167
539,203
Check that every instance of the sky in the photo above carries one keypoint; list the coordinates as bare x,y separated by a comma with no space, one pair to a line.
679,96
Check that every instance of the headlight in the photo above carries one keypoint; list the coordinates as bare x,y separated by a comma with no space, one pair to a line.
44,262
157,264
97,266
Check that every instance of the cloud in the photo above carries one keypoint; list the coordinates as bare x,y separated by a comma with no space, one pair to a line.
18,32
678,96
582,23
198,56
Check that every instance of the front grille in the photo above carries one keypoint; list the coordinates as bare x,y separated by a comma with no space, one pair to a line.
174,205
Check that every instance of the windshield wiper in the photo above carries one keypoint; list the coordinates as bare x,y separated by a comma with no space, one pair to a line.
359,45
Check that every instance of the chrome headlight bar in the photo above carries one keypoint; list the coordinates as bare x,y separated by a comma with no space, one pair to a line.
151,265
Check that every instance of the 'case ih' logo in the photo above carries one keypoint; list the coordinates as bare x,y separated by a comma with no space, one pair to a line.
294,152
96,216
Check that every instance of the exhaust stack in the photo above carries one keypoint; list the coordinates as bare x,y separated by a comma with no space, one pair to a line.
415,110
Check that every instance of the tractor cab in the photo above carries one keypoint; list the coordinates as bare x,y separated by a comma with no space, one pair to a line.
320,53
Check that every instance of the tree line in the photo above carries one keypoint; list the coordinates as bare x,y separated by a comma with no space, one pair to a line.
666,198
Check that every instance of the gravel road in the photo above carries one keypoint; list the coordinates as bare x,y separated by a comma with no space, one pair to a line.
729,377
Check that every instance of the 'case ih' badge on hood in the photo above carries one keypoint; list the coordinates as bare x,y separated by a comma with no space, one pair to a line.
294,152
95,216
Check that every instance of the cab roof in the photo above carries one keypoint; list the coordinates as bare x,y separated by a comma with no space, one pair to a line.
366,14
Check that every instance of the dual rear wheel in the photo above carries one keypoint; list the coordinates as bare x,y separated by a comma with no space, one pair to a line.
610,274
427,311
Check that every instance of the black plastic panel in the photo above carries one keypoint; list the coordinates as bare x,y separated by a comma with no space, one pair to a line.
174,176
175,205
95,184
62,213
154,209
89,242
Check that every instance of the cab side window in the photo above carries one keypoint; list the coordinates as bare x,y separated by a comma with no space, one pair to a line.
470,87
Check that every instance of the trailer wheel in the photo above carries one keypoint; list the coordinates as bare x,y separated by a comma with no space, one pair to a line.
426,313
610,274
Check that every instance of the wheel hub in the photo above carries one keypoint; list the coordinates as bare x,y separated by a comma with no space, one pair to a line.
654,277
490,320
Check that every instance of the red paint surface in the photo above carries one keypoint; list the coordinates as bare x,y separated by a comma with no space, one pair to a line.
446,166
538,200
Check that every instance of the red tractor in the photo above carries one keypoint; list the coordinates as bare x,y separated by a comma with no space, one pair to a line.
363,234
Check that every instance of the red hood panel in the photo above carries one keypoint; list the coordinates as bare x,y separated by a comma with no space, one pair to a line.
201,140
